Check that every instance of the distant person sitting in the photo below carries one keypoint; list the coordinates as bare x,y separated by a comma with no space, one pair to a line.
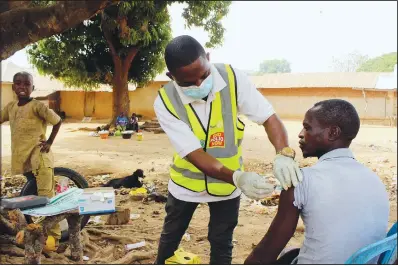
122,121
134,122
343,204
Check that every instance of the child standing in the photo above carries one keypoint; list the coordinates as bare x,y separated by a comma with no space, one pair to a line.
31,153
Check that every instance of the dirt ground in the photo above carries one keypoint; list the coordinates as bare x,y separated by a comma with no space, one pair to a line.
375,146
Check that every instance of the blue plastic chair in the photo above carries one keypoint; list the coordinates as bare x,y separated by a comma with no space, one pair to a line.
387,248
393,230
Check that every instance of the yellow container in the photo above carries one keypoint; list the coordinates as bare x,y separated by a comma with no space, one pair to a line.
50,244
104,134
183,257
139,136
139,191
138,194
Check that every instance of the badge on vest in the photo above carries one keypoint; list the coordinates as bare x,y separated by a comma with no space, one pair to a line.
217,140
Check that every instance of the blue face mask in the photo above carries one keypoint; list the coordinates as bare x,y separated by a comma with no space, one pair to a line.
200,92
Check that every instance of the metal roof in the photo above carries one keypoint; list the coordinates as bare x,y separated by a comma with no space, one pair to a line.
362,80
354,80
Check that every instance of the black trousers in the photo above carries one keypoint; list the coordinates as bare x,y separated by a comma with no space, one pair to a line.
132,126
223,220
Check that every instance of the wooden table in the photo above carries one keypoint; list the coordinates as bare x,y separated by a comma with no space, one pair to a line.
36,234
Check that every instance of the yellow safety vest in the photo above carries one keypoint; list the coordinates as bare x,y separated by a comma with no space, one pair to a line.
222,138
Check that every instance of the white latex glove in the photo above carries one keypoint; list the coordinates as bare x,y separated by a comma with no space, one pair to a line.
287,171
252,185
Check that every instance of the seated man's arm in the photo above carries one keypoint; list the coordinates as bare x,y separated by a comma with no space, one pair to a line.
279,233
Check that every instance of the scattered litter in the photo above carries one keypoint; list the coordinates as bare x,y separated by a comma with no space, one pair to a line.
63,185
134,216
259,208
150,187
124,191
95,219
99,180
183,257
134,246
93,134
271,201
262,211
85,258
187,237
157,197
86,119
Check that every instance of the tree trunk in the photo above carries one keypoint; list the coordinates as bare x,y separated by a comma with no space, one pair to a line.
121,101
120,95
21,25
120,91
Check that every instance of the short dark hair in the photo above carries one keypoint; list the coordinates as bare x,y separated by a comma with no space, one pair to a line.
337,112
182,51
22,73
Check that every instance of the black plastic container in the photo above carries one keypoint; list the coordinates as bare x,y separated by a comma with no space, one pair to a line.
127,135
24,202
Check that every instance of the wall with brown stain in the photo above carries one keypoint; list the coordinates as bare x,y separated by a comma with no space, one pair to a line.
375,107
141,102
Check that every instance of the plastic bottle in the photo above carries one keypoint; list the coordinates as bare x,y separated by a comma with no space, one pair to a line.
134,246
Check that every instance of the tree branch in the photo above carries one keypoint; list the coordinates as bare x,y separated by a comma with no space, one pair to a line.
23,26
108,38
10,5
129,58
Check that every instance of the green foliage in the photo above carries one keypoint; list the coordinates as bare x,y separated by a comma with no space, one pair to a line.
275,66
207,14
384,63
42,2
82,57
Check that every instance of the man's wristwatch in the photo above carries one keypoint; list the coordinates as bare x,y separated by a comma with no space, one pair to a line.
288,152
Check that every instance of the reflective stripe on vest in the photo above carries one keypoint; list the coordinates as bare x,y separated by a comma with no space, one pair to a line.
221,139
